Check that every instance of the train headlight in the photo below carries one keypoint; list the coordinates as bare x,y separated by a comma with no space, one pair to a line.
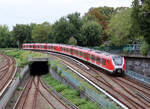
119,70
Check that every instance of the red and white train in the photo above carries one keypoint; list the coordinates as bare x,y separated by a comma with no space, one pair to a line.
114,64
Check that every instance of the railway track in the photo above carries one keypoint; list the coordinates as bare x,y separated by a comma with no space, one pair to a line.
36,95
126,91
7,68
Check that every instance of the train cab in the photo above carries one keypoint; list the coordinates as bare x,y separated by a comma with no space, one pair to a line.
119,64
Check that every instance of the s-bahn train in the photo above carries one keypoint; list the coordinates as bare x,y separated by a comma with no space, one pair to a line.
114,64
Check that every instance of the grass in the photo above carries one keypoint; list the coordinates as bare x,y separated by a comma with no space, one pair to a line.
83,82
21,56
19,88
70,94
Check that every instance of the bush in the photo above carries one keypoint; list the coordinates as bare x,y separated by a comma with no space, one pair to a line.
82,88
19,88
78,101
144,48
59,72
70,94
60,87
125,50
89,105
54,67
49,63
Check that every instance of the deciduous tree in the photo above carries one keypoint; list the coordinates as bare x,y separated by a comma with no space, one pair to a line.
40,33
92,31
119,28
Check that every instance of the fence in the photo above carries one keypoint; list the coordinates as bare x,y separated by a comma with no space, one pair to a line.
138,76
96,97
130,49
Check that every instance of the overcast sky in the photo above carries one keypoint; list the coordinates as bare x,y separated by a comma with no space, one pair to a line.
37,11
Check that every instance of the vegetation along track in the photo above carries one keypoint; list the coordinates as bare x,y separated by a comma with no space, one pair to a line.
121,88
36,95
7,68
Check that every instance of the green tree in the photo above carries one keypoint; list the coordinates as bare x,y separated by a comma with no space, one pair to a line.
72,41
76,21
21,34
40,33
103,15
62,30
5,36
92,31
119,28
107,11
141,17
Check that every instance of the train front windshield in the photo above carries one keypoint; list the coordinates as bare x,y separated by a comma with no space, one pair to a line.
117,60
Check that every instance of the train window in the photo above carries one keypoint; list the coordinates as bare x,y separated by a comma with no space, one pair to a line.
98,59
92,57
79,53
104,61
84,55
69,50
89,56
107,61
74,51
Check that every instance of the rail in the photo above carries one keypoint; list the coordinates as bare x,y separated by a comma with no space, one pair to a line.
94,96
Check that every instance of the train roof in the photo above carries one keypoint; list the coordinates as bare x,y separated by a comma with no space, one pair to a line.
98,52
95,51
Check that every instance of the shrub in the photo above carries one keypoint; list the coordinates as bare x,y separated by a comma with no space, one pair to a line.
49,63
19,88
70,94
125,50
54,67
82,88
89,105
59,72
60,87
144,48
78,101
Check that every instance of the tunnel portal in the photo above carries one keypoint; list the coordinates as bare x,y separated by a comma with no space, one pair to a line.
39,68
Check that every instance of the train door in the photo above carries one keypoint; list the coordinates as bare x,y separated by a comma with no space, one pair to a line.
93,58
58,48
98,60
77,54
71,50
45,46
84,55
103,62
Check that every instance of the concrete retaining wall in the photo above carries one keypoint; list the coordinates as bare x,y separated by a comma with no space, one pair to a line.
4,100
138,65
